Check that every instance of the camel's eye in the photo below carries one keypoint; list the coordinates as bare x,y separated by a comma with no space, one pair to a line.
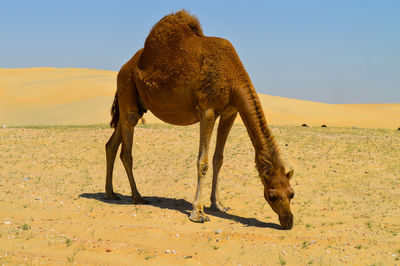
273,196
291,196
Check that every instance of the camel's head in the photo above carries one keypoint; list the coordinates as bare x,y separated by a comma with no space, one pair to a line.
278,193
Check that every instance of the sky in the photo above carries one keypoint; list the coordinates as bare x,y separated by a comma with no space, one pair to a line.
327,51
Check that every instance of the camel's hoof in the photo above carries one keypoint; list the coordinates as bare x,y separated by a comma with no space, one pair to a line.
198,218
219,207
112,196
139,201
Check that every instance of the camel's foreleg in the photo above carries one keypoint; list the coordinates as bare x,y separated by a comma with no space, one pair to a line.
207,122
111,152
225,125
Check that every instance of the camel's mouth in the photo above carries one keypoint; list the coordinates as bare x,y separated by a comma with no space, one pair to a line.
286,221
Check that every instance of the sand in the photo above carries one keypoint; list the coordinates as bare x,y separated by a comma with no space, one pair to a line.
71,96
53,211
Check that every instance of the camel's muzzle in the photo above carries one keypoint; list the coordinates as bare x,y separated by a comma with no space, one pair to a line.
286,221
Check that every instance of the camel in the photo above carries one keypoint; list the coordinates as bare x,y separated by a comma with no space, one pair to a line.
184,77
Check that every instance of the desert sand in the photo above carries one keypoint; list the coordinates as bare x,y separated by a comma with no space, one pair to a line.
53,210
70,96
52,178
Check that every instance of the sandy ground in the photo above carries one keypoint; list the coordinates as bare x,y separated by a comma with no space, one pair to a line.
53,211
71,96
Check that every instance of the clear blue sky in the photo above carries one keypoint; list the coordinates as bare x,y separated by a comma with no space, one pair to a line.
328,51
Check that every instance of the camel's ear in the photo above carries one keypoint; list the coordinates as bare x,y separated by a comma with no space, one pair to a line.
289,174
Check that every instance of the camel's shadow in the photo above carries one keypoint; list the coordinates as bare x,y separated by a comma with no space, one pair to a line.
182,206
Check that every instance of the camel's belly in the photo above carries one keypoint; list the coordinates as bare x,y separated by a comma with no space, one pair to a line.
179,117
176,106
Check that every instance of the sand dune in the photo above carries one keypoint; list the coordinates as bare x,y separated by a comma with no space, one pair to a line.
72,96
287,111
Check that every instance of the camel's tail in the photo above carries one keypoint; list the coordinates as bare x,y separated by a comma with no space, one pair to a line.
115,112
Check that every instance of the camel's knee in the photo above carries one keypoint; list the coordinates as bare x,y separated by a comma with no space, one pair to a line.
111,150
202,167
114,141
111,146
218,160
126,157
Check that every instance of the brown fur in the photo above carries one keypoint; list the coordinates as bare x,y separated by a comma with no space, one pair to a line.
184,77
182,17
114,112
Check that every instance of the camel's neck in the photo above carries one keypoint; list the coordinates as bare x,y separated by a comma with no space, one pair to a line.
250,109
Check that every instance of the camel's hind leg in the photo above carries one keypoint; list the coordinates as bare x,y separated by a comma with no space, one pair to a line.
126,154
111,151
130,114
225,125
207,122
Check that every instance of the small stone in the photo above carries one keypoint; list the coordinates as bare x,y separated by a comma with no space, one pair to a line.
4,126
108,250
177,235
366,172
167,251
334,170
173,252
218,231
7,222
187,257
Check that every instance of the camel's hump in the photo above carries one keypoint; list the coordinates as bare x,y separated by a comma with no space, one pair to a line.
167,40
175,21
